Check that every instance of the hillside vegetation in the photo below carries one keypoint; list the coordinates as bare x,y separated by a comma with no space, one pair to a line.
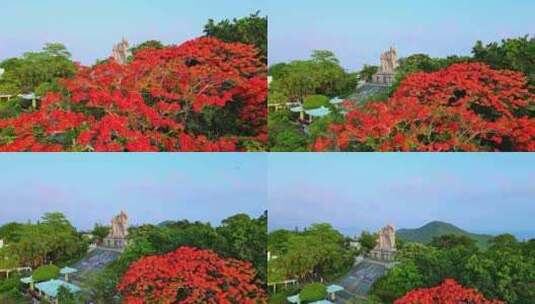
426,233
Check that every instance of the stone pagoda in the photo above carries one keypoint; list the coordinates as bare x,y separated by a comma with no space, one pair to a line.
385,250
121,51
386,72
117,238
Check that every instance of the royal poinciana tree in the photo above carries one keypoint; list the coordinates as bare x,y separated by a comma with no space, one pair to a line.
190,275
465,107
449,292
202,95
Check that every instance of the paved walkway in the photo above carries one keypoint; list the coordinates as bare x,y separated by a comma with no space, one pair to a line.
95,260
358,281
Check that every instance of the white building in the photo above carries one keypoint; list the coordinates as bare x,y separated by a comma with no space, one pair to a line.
2,71
1,243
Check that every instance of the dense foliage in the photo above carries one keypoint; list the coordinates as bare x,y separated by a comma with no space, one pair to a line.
36,71
435,104
66,297
448,292
316,254
202,95
434,229
52,240
239,237
368,240
465,107
304,81
10,291
516,54
190,275
149,44
250,30
367,72
99,232
285,135
505,271
322,74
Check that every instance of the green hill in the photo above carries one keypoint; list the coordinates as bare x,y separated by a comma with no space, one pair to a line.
426,233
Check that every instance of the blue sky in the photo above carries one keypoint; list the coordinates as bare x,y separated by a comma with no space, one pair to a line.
358,31
90,28
151,188
486,193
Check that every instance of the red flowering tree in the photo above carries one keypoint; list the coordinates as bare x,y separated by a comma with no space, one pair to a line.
450,292
465,107
190,275
202,95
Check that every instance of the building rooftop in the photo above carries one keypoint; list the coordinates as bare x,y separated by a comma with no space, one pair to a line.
334,288
27,280
336,100
67,270
294,299
51,288
319,112
30,96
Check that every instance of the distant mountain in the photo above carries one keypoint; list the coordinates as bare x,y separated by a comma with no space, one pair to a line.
426,233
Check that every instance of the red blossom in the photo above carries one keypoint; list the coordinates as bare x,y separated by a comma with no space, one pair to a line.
190,275
465,107
450,292
153,103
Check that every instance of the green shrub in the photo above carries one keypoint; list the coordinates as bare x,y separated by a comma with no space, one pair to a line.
13,296
279,298
65,296
11,108
8,284
45,273
315,101
313,292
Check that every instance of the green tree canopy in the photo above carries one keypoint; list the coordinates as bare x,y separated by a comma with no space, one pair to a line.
66,297
239,236
277,70
36,71
322,75
56,49
100,231
516,54
52,240
149,44
278,241
367,72
449,241
368,240
315,254
284,134
505,271
250,30
246,239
